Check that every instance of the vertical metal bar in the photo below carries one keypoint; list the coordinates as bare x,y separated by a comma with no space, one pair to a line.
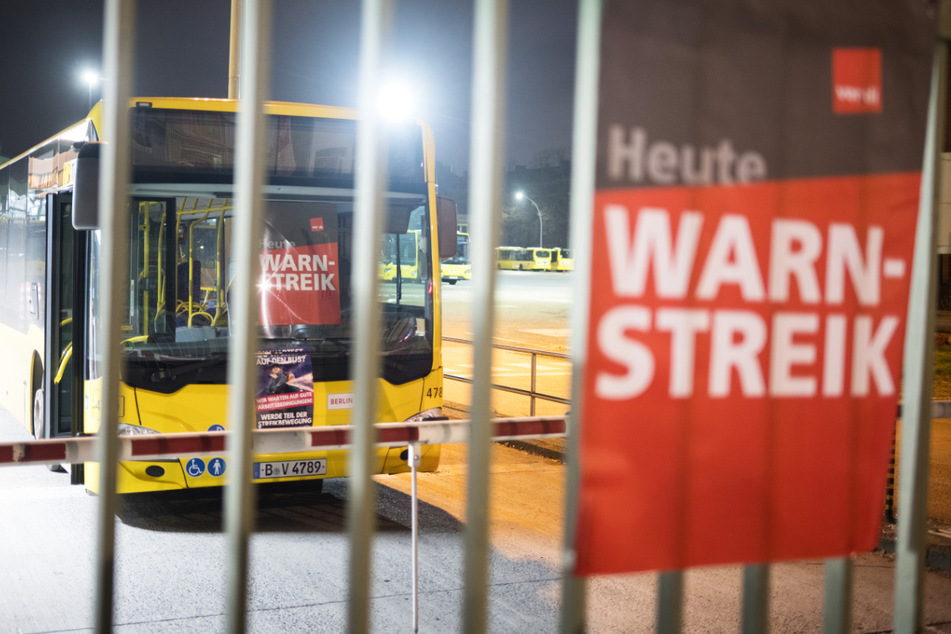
414,460
368,225
118,47
249,178
837,608
911,539
755,599
485,189
670,602
234,46
534,383
584,151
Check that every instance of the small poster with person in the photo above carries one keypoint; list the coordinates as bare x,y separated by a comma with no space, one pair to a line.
285,391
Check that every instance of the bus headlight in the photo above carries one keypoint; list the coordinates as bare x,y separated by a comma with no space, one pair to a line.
125,429
429,414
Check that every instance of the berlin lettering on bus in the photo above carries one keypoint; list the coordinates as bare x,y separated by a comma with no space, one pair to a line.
738,337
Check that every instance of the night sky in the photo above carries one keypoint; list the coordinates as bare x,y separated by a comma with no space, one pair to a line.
182,50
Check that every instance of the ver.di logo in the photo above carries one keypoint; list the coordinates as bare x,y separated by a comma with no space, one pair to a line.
856,80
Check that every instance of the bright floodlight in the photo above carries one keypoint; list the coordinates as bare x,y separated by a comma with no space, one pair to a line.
90,77
396,101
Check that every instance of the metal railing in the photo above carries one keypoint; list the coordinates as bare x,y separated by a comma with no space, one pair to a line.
80,449
532,393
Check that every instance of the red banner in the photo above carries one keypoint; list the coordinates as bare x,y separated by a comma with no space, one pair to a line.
749,281
300,284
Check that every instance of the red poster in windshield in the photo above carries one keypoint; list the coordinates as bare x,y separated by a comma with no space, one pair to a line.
300,281
752,242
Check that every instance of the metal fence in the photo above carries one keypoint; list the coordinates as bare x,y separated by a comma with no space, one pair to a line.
532,393
488,91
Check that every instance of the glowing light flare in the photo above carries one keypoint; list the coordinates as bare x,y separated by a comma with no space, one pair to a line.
397,101
90,78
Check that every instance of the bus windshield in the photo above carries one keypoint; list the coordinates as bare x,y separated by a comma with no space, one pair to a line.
180,282
181,262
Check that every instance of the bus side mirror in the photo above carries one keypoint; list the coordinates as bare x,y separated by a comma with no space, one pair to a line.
446,217
86,188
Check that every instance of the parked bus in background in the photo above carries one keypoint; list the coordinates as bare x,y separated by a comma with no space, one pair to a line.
176,332
511,258
540,258
458,267
522,258
561,260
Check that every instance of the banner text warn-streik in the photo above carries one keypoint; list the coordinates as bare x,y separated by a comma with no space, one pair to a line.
738,338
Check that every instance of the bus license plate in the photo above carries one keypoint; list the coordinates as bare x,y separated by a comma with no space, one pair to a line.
289,469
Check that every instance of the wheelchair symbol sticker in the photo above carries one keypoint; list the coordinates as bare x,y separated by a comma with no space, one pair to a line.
216,466
216,428
195,467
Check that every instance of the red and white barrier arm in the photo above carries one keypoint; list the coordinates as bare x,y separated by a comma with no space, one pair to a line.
272,441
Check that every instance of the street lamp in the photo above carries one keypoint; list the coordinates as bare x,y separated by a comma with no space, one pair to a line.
520,195
91,78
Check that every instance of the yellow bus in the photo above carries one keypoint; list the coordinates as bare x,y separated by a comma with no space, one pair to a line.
561,260
458,267
522,258
511,258
541,258
176,334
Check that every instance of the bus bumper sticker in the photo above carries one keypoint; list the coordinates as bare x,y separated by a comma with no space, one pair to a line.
195,467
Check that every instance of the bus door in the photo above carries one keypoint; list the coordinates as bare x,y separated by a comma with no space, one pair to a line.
65,282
